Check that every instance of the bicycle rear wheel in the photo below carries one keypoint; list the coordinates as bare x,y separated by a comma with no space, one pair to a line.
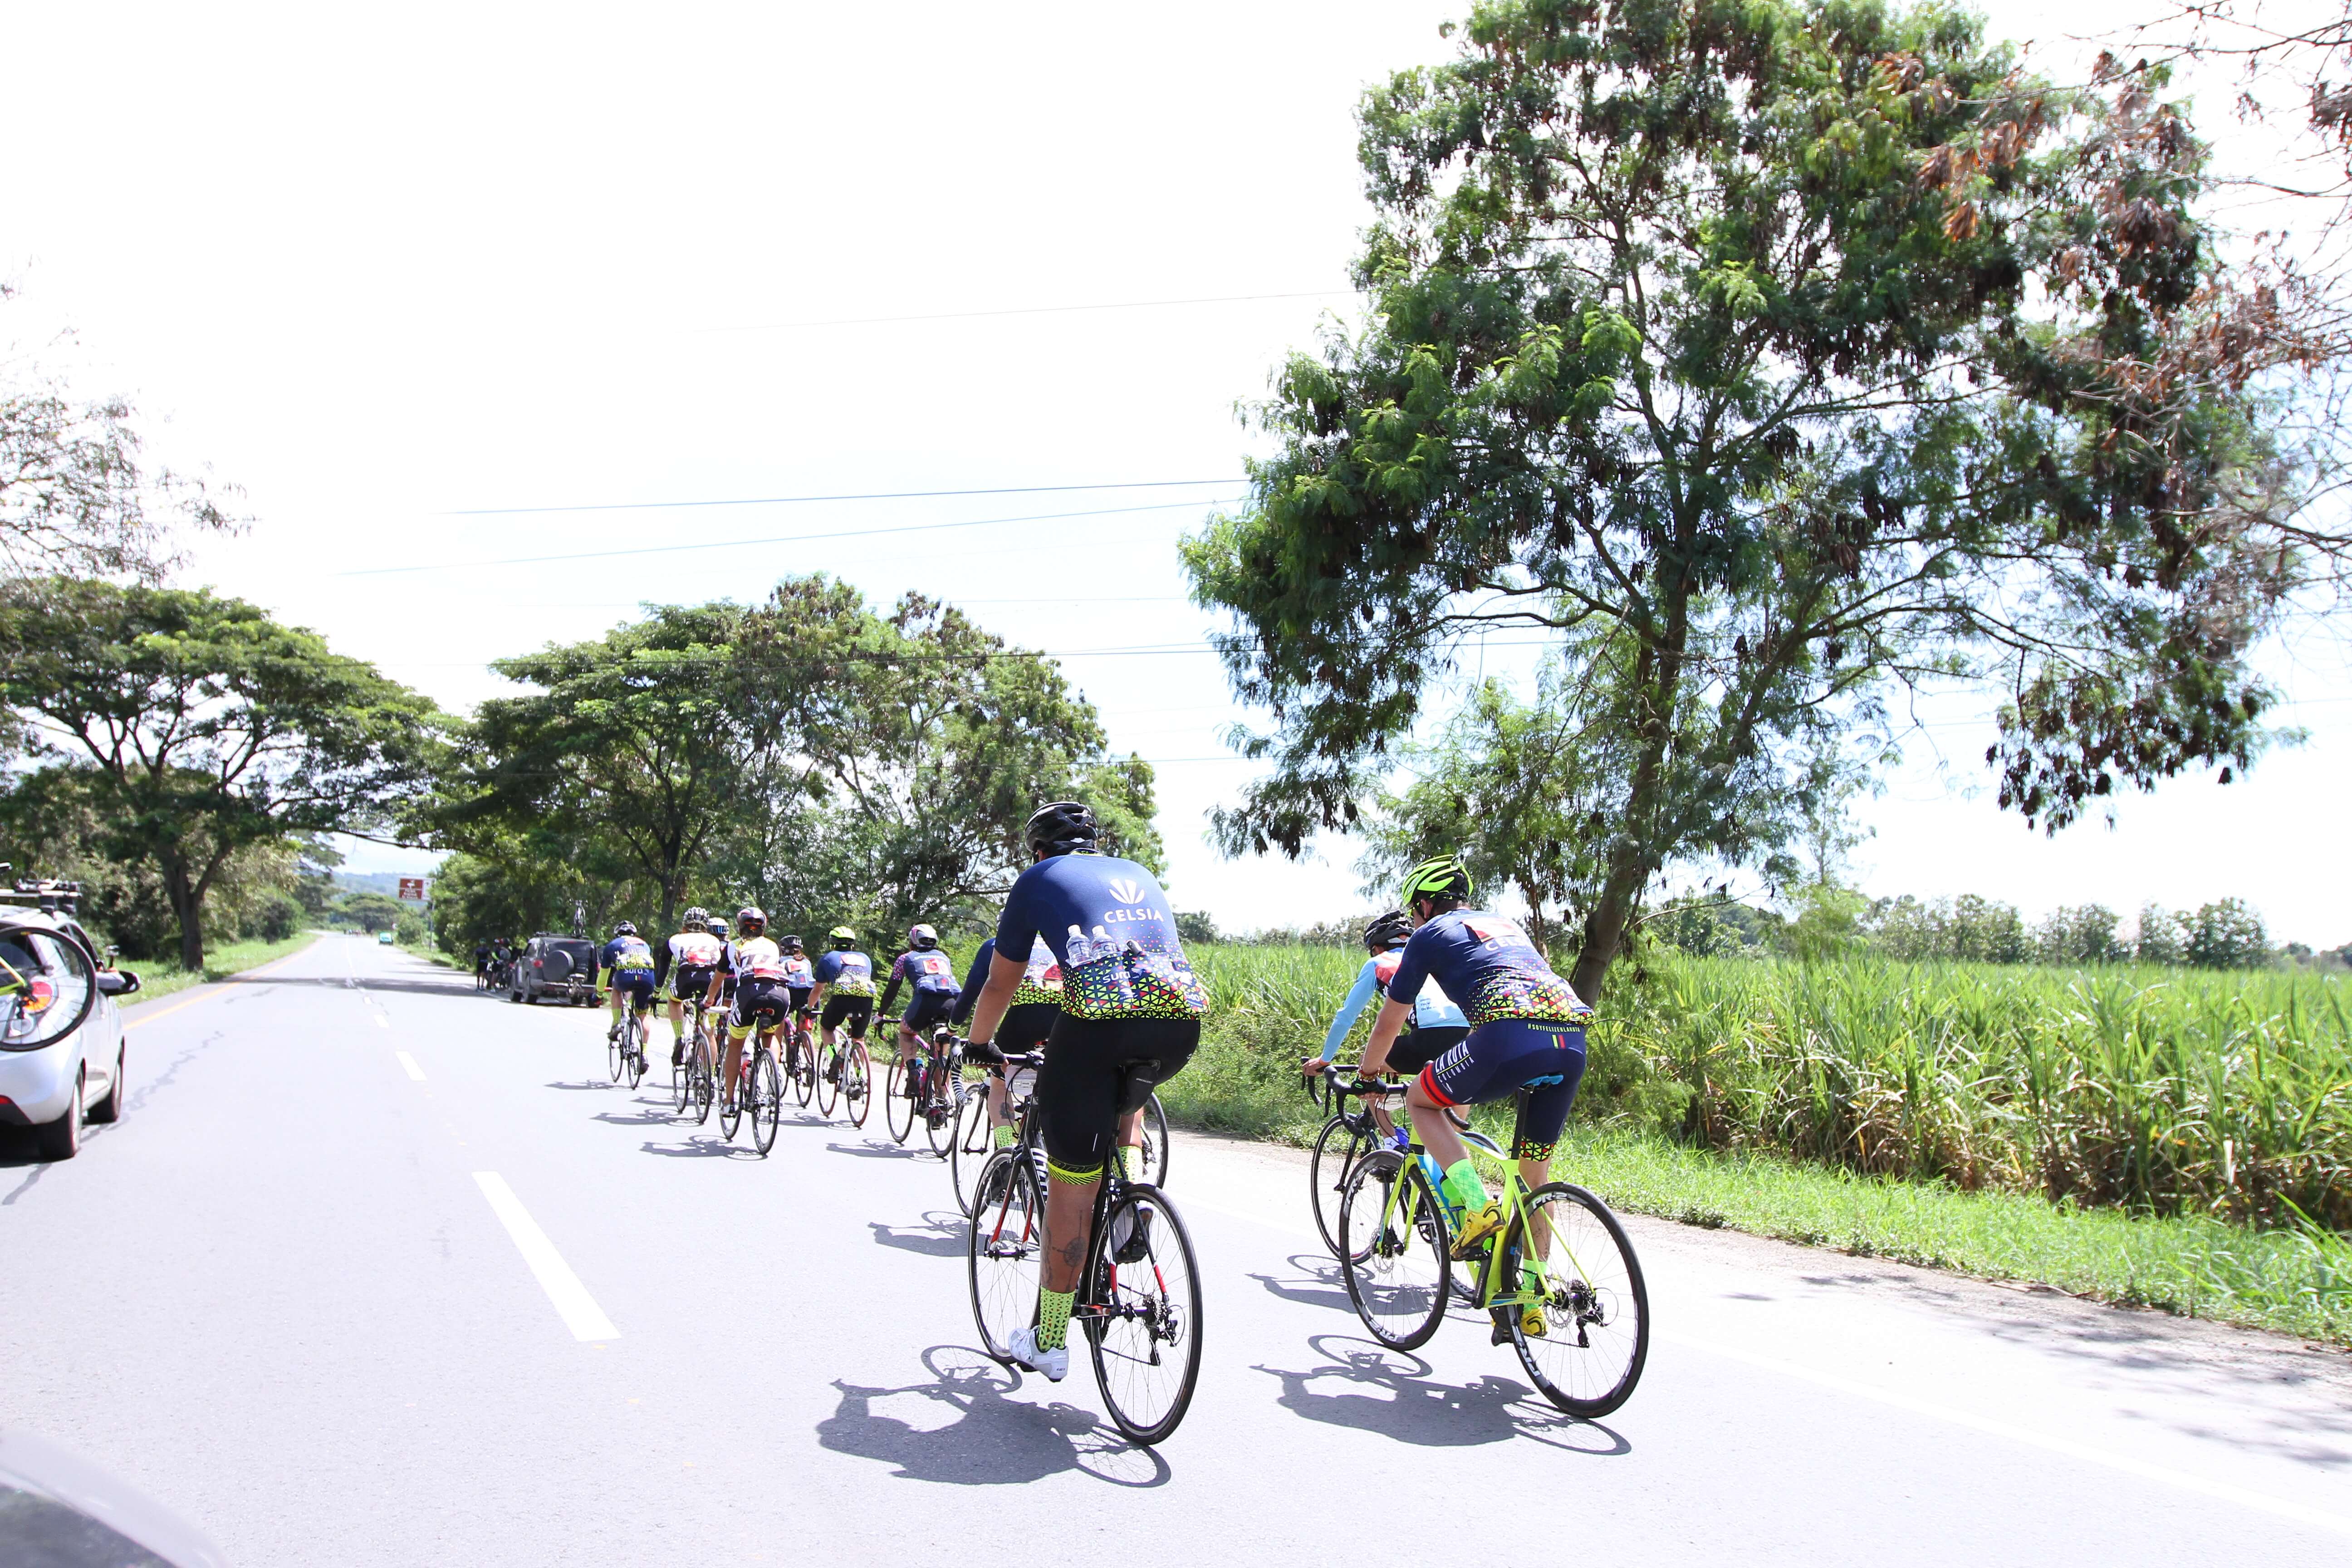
767,1087
1392,1246
1152,1169
681,1073
705,1072
857,1082
975,1142
1142,1314
803,1073
828,1082
897,1104
1596,1307
942,1107
1005,1251
633,1036
1337,1149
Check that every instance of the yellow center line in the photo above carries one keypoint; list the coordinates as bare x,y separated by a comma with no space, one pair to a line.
202,993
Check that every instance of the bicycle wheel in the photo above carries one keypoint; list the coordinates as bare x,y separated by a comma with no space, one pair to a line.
1005,1251
828,1082
975,1142
1142,1316
1596,1308
941,1109
705,1085
803,1073
767,1085
897,1104
1337,1149
857,1082
1153,1168
681,1074
731,1106
614,1050
634,1035
1392,1246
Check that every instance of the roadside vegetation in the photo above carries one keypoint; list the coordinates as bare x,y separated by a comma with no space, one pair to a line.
2150,1136
160,977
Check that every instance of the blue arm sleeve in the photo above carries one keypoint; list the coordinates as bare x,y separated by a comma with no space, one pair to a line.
974,978
1367,982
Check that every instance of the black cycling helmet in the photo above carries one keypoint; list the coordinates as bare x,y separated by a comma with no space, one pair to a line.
1387,931
1059,828
626,928
751,917
788,944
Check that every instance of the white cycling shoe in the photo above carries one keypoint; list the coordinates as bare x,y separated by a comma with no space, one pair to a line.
1055,1364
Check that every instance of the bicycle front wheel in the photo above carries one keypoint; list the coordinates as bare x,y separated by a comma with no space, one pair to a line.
940,1110
1005,1251
899,1101
857,1082
1595,1306
767,1089
1393,1245
1337,1149
615,1050
975,1140
1142,1314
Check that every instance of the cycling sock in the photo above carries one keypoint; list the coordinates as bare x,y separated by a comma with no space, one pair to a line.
1462,1185
677,1029
1004,1136
1054,1318
1126,1158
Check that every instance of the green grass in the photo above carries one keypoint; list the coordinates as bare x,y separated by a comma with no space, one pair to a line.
158,978
2156,1137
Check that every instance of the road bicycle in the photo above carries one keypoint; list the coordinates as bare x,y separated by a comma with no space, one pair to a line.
1139,1299
844,1076
759,1092
800,1059
931,1092
702,1070
1561,1260
681,1067
972,1140
625,1050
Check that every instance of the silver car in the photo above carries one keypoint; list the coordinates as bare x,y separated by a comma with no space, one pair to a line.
61,1056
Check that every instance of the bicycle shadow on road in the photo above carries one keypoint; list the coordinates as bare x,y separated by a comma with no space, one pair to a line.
983,1437
1393,1395
699,1149
872,1150
941,1234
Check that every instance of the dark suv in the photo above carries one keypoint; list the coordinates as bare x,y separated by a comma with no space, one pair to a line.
563,967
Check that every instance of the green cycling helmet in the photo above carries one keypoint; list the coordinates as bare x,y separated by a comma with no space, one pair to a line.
1441,876
842,936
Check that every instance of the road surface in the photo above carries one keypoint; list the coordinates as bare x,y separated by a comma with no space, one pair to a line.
289,1297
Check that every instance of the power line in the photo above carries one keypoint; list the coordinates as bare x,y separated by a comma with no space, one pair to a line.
796,501
777,539
1028,310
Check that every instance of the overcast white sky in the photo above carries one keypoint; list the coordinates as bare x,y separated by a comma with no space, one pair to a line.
387,266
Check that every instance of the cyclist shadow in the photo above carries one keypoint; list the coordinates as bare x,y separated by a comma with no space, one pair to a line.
642,1118
1401,1400
699,1149
1317,1284
982,1438
941,1234
872,1150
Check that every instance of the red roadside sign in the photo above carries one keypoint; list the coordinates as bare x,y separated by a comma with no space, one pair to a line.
412,887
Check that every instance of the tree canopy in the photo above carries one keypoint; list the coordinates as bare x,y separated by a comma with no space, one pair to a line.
1770,354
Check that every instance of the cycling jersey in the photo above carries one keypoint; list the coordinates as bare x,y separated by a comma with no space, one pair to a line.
1487,961
797,972
758,959
929,971
626,952
1108,925
845,973
1041,981
694,955
1432,1009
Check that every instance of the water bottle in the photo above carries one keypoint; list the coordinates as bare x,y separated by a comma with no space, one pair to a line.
1400,1141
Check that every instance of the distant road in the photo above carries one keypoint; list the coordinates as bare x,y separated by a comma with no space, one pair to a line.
377,1270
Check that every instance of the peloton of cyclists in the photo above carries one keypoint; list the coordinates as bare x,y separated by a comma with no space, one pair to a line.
934,994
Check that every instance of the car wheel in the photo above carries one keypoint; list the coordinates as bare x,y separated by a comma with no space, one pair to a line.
110,1107
61,1139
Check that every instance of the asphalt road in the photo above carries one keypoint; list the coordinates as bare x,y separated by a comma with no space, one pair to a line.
280,1297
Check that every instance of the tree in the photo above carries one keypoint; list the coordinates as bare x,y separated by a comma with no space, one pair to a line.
2226,934
2160,937
199,728
1683,347
76,493
372,912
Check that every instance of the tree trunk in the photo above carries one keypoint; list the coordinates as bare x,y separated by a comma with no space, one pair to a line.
1658,675
188,908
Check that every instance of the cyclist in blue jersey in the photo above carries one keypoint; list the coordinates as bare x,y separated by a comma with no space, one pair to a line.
1131,1012
626,966
800,979
931,975
1028,1020
1526,1027
844,990
1437,1024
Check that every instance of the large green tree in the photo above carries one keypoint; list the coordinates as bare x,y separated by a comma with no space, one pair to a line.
196,727
1778,354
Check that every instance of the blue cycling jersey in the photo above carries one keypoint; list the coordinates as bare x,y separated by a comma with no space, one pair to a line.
626,953
1108,924
1486,962
845,973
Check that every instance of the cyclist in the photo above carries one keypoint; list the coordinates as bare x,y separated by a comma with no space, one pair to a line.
684,967
1526,1029
800,979
934,994
1036,1004
481,957
844,990
1130,1019
627,967
762,1001
1438,1025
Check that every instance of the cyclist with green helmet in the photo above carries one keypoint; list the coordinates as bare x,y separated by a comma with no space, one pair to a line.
1437,1024
1527,1030
844,988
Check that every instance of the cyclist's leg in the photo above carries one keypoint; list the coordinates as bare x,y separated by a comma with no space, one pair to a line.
1491,1062
1413,1050
1093,1067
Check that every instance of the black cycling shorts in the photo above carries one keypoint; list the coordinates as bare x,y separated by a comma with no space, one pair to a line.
1499,1058
1416,1049
762,1003
1025,1025
858,1010
800,997
692,980
927,1009
1098,1069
